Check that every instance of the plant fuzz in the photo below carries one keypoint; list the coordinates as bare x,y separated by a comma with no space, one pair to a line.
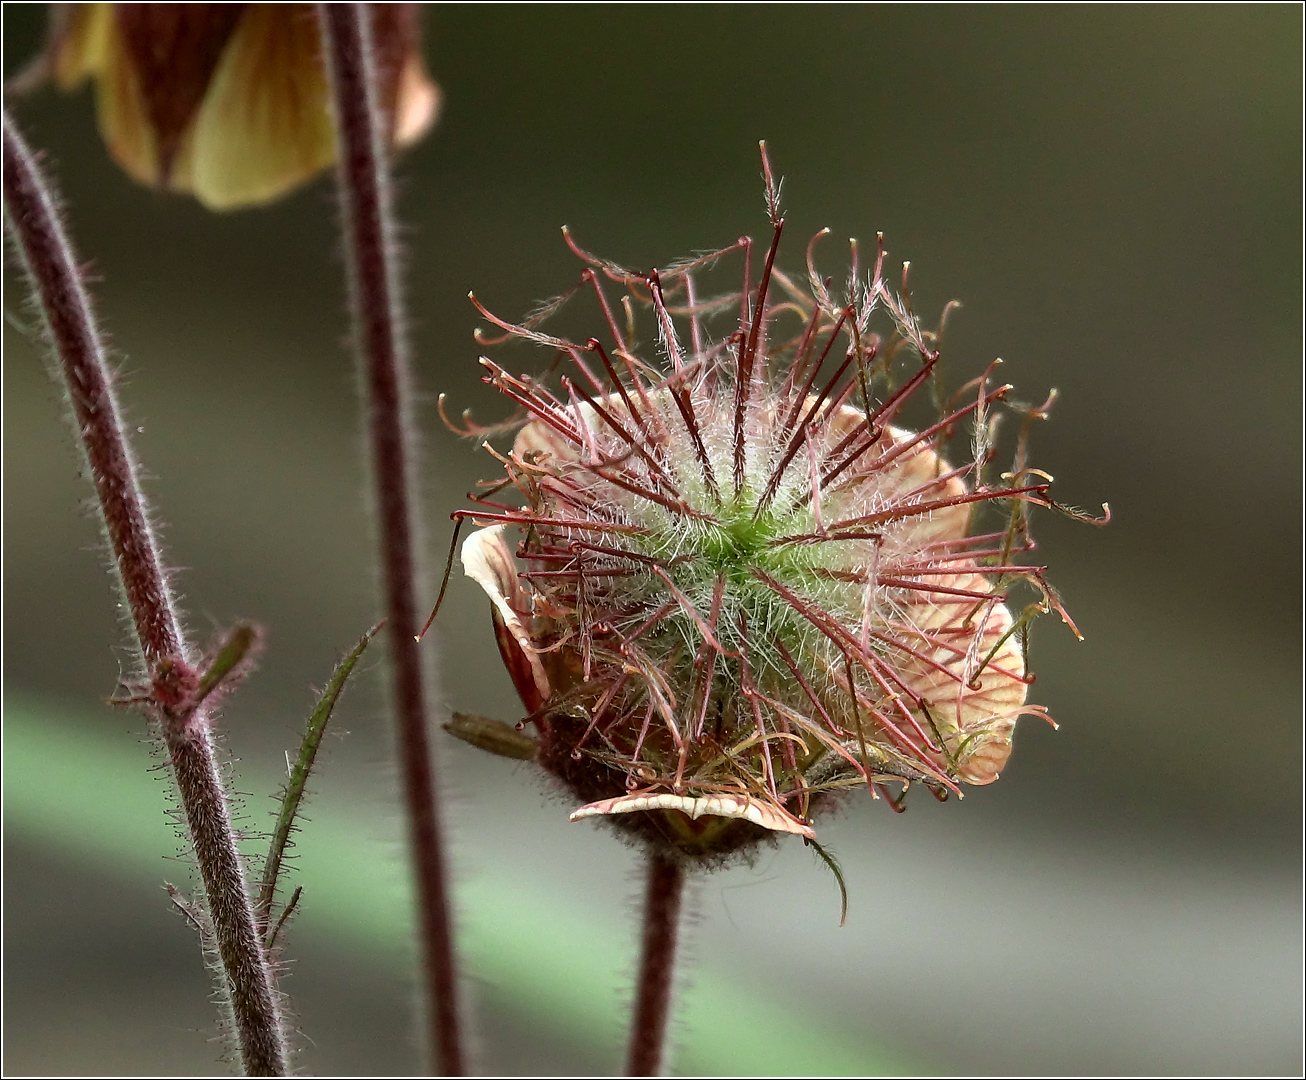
741,587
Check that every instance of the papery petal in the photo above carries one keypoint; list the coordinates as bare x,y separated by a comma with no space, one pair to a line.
488,560
725,806
910,470
976,722
538,438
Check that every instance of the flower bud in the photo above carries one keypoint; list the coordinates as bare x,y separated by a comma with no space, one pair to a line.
229,102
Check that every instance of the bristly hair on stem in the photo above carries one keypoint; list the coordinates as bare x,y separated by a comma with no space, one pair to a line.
664,892
367,217
174,688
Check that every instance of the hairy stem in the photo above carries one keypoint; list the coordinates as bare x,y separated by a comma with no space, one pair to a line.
70,326
369,235
648,1033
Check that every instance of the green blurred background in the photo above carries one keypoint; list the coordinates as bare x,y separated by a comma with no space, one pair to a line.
1114,194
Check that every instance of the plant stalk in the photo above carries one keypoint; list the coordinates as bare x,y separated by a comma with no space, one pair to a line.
48,258
375,295
648,1033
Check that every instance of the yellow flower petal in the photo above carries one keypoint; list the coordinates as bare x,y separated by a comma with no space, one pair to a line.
81,42
120,105
265,124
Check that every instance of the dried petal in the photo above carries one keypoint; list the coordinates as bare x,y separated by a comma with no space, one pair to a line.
725,806
489,562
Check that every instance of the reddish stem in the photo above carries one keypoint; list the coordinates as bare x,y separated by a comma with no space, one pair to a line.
369,234
648,1035
247,985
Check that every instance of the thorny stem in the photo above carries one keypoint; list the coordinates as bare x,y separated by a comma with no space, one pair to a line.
369,235
47,255
648,1034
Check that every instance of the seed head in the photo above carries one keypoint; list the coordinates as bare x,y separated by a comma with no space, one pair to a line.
731,584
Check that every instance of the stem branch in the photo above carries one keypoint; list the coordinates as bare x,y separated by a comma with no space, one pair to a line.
648,1034
70,326
369,235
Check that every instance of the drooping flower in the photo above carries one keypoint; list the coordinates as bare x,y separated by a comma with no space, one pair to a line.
228,102
732,583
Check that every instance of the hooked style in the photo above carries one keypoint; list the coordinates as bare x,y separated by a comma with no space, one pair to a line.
736,584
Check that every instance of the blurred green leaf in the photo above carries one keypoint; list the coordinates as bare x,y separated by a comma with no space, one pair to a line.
88,796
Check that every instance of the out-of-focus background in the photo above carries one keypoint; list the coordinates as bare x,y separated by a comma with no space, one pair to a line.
1114,194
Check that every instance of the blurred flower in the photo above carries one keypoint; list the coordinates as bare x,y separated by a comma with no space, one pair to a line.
228,102
741,586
